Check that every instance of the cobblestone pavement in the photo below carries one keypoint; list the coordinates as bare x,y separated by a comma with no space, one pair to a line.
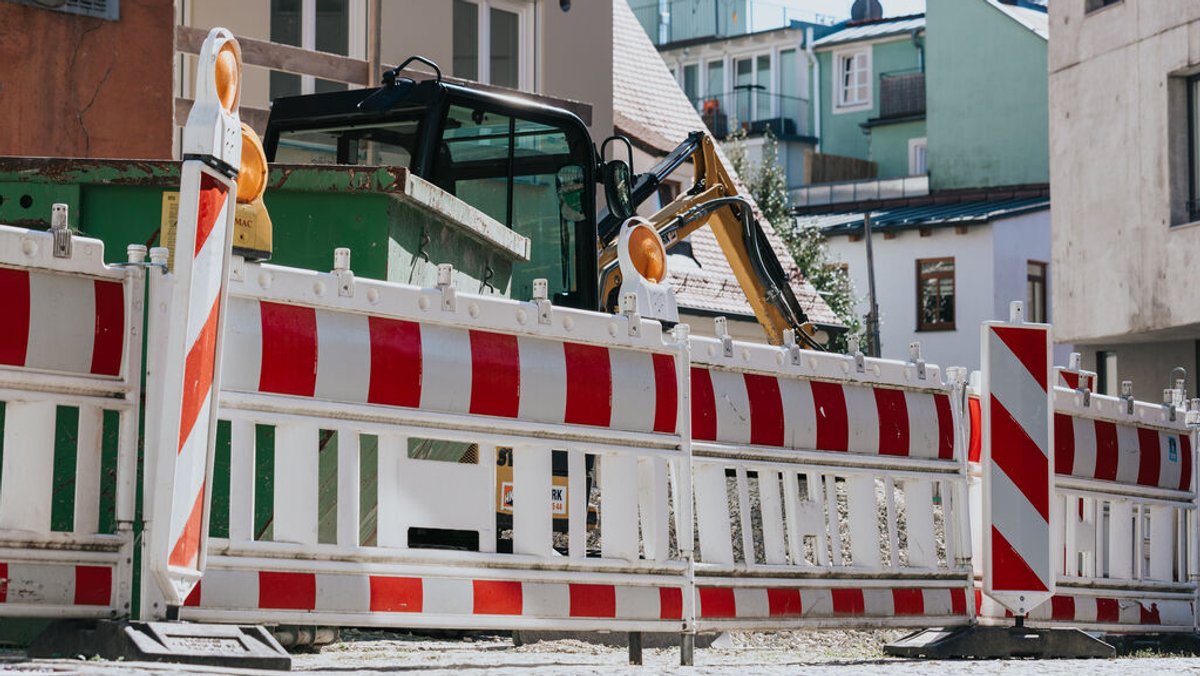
839,653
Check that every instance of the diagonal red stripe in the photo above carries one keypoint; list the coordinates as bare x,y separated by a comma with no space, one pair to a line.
186,552
833,424
766,409
1064,444
1029,347
289,349
1020,459
666,394
14,309
495,374
1010,572
1149,457
891,408
395,362
1106,450
212,203
198,375
945,420
704,406
109,336
589,385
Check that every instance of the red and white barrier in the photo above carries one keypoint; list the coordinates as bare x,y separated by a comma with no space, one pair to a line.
70,371
816,447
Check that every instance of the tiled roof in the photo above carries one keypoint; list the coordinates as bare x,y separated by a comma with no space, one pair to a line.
926,216
649,106
870,30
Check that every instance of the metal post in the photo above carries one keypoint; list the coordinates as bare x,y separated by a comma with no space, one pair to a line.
873,349
687,650
635,648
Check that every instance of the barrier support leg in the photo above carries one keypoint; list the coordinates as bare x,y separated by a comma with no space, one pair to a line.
635,648
687,650
978,642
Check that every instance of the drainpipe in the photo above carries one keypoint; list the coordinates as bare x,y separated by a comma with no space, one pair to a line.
919,43
815,66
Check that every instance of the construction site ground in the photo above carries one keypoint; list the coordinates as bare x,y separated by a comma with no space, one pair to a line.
829,652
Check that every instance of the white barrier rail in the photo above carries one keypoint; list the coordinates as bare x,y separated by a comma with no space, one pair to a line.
70,371
1125,513
850,490
430,384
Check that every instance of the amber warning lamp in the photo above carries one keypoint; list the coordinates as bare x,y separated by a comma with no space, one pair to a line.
643,261
251,222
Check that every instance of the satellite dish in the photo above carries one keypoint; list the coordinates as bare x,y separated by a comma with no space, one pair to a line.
866,10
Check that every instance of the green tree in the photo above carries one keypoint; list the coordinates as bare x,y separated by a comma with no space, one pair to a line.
767,183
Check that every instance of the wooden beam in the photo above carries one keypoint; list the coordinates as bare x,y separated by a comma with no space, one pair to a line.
285,58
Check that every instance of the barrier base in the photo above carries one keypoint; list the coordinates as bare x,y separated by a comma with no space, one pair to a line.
999,643
1165,644
218,645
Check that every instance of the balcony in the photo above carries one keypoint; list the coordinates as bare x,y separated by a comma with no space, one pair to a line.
901,94
858,191
755,111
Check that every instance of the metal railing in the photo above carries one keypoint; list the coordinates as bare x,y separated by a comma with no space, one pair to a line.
754,110
902,94
854,191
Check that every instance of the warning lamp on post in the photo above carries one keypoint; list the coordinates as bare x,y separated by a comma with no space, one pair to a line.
214,132
643,261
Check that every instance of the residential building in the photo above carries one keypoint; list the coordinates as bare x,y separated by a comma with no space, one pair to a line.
652,111
1125,175
951,125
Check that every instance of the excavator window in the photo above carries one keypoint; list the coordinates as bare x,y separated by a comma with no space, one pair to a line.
391,143
511,169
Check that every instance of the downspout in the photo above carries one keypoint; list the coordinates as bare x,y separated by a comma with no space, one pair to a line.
919,43
815,66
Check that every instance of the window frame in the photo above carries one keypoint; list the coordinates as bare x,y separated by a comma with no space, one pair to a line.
914,143
1092,6
840,105
922,325
526,70
1192,208
1044,278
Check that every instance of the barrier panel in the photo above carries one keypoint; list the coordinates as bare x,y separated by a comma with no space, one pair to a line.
1124,521
850,490
70,372
402,398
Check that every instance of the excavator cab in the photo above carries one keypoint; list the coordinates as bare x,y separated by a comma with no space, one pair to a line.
531,167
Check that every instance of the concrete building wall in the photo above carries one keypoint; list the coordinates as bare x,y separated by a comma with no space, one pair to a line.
1148,365
986,95
576,58
840,131
896,287
76,86
1122,246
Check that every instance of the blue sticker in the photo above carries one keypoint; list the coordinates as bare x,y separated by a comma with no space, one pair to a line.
1172,449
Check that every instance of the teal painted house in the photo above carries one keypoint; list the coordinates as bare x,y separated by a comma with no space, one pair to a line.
872,95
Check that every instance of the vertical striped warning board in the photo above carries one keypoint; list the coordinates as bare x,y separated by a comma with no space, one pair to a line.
181,433
1018,464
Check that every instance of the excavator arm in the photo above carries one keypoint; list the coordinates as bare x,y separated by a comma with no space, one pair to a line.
715,201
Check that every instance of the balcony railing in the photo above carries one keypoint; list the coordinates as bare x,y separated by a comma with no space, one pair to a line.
755,111
902,94
856,191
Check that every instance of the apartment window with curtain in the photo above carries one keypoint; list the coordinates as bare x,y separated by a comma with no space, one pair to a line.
320,25
493,42
935,294
1035,292
853,70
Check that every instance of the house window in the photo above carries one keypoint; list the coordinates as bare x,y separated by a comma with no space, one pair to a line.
1035,292
854,79
1093,5
1106,373
493,42
691,82
935,294
916,157
332,26
101,9
1193,149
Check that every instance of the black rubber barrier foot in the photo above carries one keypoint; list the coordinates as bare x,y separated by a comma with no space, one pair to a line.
1164,644
218,645
999,643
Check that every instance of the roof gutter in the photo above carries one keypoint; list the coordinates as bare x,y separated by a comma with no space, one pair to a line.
815,84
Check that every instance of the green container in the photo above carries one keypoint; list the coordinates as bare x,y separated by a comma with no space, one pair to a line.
397,226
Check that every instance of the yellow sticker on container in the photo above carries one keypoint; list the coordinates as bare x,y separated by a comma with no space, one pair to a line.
169,224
